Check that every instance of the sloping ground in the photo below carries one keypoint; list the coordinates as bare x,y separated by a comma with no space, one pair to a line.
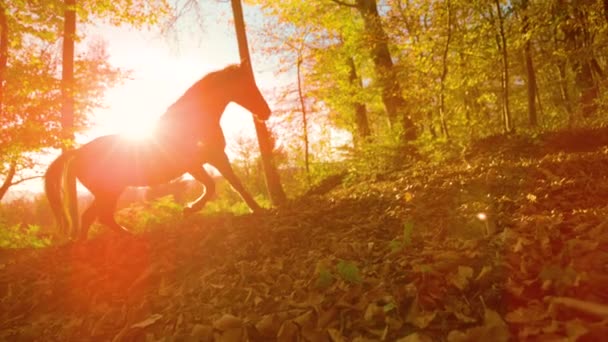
492,249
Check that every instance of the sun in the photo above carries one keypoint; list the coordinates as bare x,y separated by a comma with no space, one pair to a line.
132,112
136,129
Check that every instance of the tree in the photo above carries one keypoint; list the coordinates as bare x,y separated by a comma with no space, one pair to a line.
530,72
479,66
3,64
32,96
379,48
361,121
67,73
273,182
501,42
444,71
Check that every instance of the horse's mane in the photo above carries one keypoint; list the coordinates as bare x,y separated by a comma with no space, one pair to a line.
205,85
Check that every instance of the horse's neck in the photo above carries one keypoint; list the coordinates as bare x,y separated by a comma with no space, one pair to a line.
190,125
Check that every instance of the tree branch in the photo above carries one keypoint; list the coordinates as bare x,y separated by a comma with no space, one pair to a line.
26,179
342,3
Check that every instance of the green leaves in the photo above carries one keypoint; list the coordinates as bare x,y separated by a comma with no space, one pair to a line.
344,269
349,272
405,240
20,236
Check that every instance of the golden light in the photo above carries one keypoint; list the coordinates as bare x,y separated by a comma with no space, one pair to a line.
136,130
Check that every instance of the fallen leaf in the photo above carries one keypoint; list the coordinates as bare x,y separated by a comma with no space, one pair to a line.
288,332
202,332
232,335
408,196
532,313
493,329
335,335
268,326
148,321
418,318
228,322
461,277
575,329
415,337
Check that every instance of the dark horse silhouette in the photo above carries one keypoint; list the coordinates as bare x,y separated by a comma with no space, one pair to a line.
187,136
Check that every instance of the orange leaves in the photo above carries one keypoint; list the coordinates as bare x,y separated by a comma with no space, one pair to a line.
493,329
347,266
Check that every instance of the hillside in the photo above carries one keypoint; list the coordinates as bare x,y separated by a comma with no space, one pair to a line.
511,242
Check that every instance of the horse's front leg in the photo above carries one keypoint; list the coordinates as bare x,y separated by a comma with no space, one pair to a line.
201,175
222,164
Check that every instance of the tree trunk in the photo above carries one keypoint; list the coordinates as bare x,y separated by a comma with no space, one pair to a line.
581,62
3,64
67,75
273,182
531,79
304,118
508,126
391,89
3,52
540,104
589,90
361,121
444,73
565,94
8,181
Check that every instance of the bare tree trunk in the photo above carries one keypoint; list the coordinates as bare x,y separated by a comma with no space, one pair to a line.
391,89
392,96
565,94
531,79
589,90
273,182
361,121
444,73
67,74
304,119
508,126
3,52
3,65
540,104
575,32
8,180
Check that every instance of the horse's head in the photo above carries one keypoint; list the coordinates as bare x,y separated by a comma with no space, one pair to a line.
210,95
247,94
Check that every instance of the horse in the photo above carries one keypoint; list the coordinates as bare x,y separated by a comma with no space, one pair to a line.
187,136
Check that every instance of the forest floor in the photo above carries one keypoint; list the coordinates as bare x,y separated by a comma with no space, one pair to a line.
508,243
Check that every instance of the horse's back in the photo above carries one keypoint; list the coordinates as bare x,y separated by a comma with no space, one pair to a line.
113,162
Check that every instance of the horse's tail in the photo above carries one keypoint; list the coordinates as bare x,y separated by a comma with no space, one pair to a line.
57,179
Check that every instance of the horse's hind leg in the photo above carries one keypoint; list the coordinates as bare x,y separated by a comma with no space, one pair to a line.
201,175
222,164
106,204
89,215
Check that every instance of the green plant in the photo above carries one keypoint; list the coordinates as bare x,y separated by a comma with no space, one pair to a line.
405,239
146,216
23,236
349,272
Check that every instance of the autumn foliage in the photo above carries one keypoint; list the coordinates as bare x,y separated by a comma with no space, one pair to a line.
445,164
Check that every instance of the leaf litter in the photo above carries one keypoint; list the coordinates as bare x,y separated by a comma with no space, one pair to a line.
513,247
